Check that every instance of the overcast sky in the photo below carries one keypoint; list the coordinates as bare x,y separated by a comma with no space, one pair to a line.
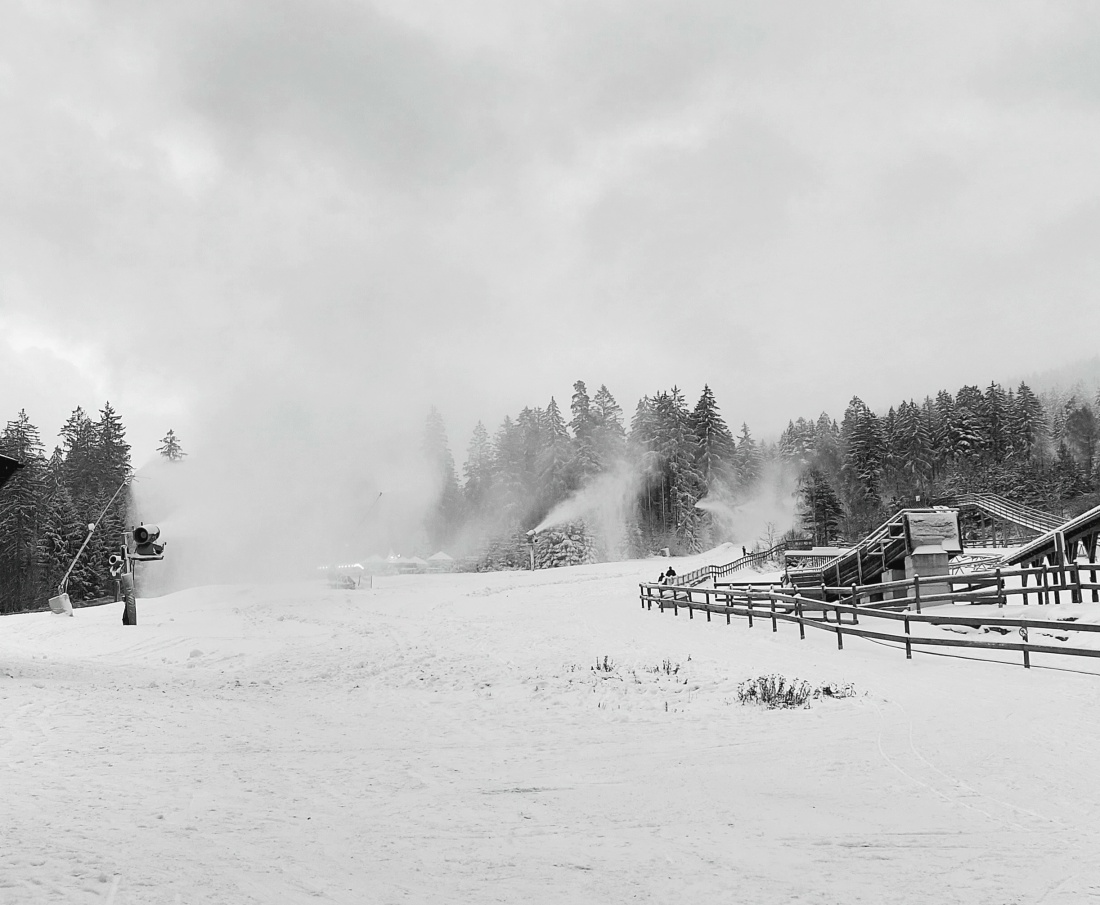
286,218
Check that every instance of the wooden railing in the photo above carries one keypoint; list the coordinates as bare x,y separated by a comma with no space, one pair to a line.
843,616
1009,511
697,576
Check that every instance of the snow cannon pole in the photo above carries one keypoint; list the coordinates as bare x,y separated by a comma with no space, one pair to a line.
91,530
531,547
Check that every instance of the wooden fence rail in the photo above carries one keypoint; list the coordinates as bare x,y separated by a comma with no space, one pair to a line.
752,602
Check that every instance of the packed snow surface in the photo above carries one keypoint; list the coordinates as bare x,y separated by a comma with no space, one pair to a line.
525,737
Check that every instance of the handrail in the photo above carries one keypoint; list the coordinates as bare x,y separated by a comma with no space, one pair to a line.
1025,516
710,571
1026,552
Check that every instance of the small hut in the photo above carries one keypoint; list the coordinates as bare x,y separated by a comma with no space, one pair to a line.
441,562
411,565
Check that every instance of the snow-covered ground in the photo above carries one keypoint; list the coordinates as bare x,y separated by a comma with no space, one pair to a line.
446,738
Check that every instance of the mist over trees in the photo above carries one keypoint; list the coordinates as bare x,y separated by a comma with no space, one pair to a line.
651,473
598,486
846,476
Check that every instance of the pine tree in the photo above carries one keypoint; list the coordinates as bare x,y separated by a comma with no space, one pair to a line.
569,545
1082,433
716,446
171,448
586,460
862,455
62,535
677,449
79,444
112,471
862,439
510,492
113,452
993,414
748,460
942,417
478,470
911,446
820,507
554,460
965,440
609,433
21,573
1027,425
442,521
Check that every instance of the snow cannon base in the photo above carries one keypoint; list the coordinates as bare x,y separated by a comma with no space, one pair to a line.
61,605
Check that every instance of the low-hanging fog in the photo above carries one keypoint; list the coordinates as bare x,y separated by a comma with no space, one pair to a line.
285,230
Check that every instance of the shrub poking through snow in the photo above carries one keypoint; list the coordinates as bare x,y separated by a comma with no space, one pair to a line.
774,691
607,665
835,690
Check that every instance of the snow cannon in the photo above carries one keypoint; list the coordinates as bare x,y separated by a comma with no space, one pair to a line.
531,546
145,540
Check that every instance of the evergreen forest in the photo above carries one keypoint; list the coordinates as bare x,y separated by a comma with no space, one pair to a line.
48,504
655,479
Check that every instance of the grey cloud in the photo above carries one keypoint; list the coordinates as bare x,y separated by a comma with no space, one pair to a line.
338,76
334,205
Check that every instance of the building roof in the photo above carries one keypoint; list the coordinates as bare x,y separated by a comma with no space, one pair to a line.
8,467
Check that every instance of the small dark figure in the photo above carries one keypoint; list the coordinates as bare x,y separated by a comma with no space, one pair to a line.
671,573
744,552
661,580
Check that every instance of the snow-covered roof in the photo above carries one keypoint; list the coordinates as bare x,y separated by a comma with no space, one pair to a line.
440,557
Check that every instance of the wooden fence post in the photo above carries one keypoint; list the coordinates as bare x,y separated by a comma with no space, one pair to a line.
1060,540
916,592
729,603
839,631
908,643
1000,590
1090,552
1078,597
1045,599
855,616
750,606
706,600
798,613
771,597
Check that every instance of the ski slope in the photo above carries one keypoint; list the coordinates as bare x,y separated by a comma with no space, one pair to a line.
445,738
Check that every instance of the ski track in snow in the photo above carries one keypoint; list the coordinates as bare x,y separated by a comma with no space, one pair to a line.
458,739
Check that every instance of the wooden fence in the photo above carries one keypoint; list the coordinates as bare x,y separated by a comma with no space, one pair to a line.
869,611
698,576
